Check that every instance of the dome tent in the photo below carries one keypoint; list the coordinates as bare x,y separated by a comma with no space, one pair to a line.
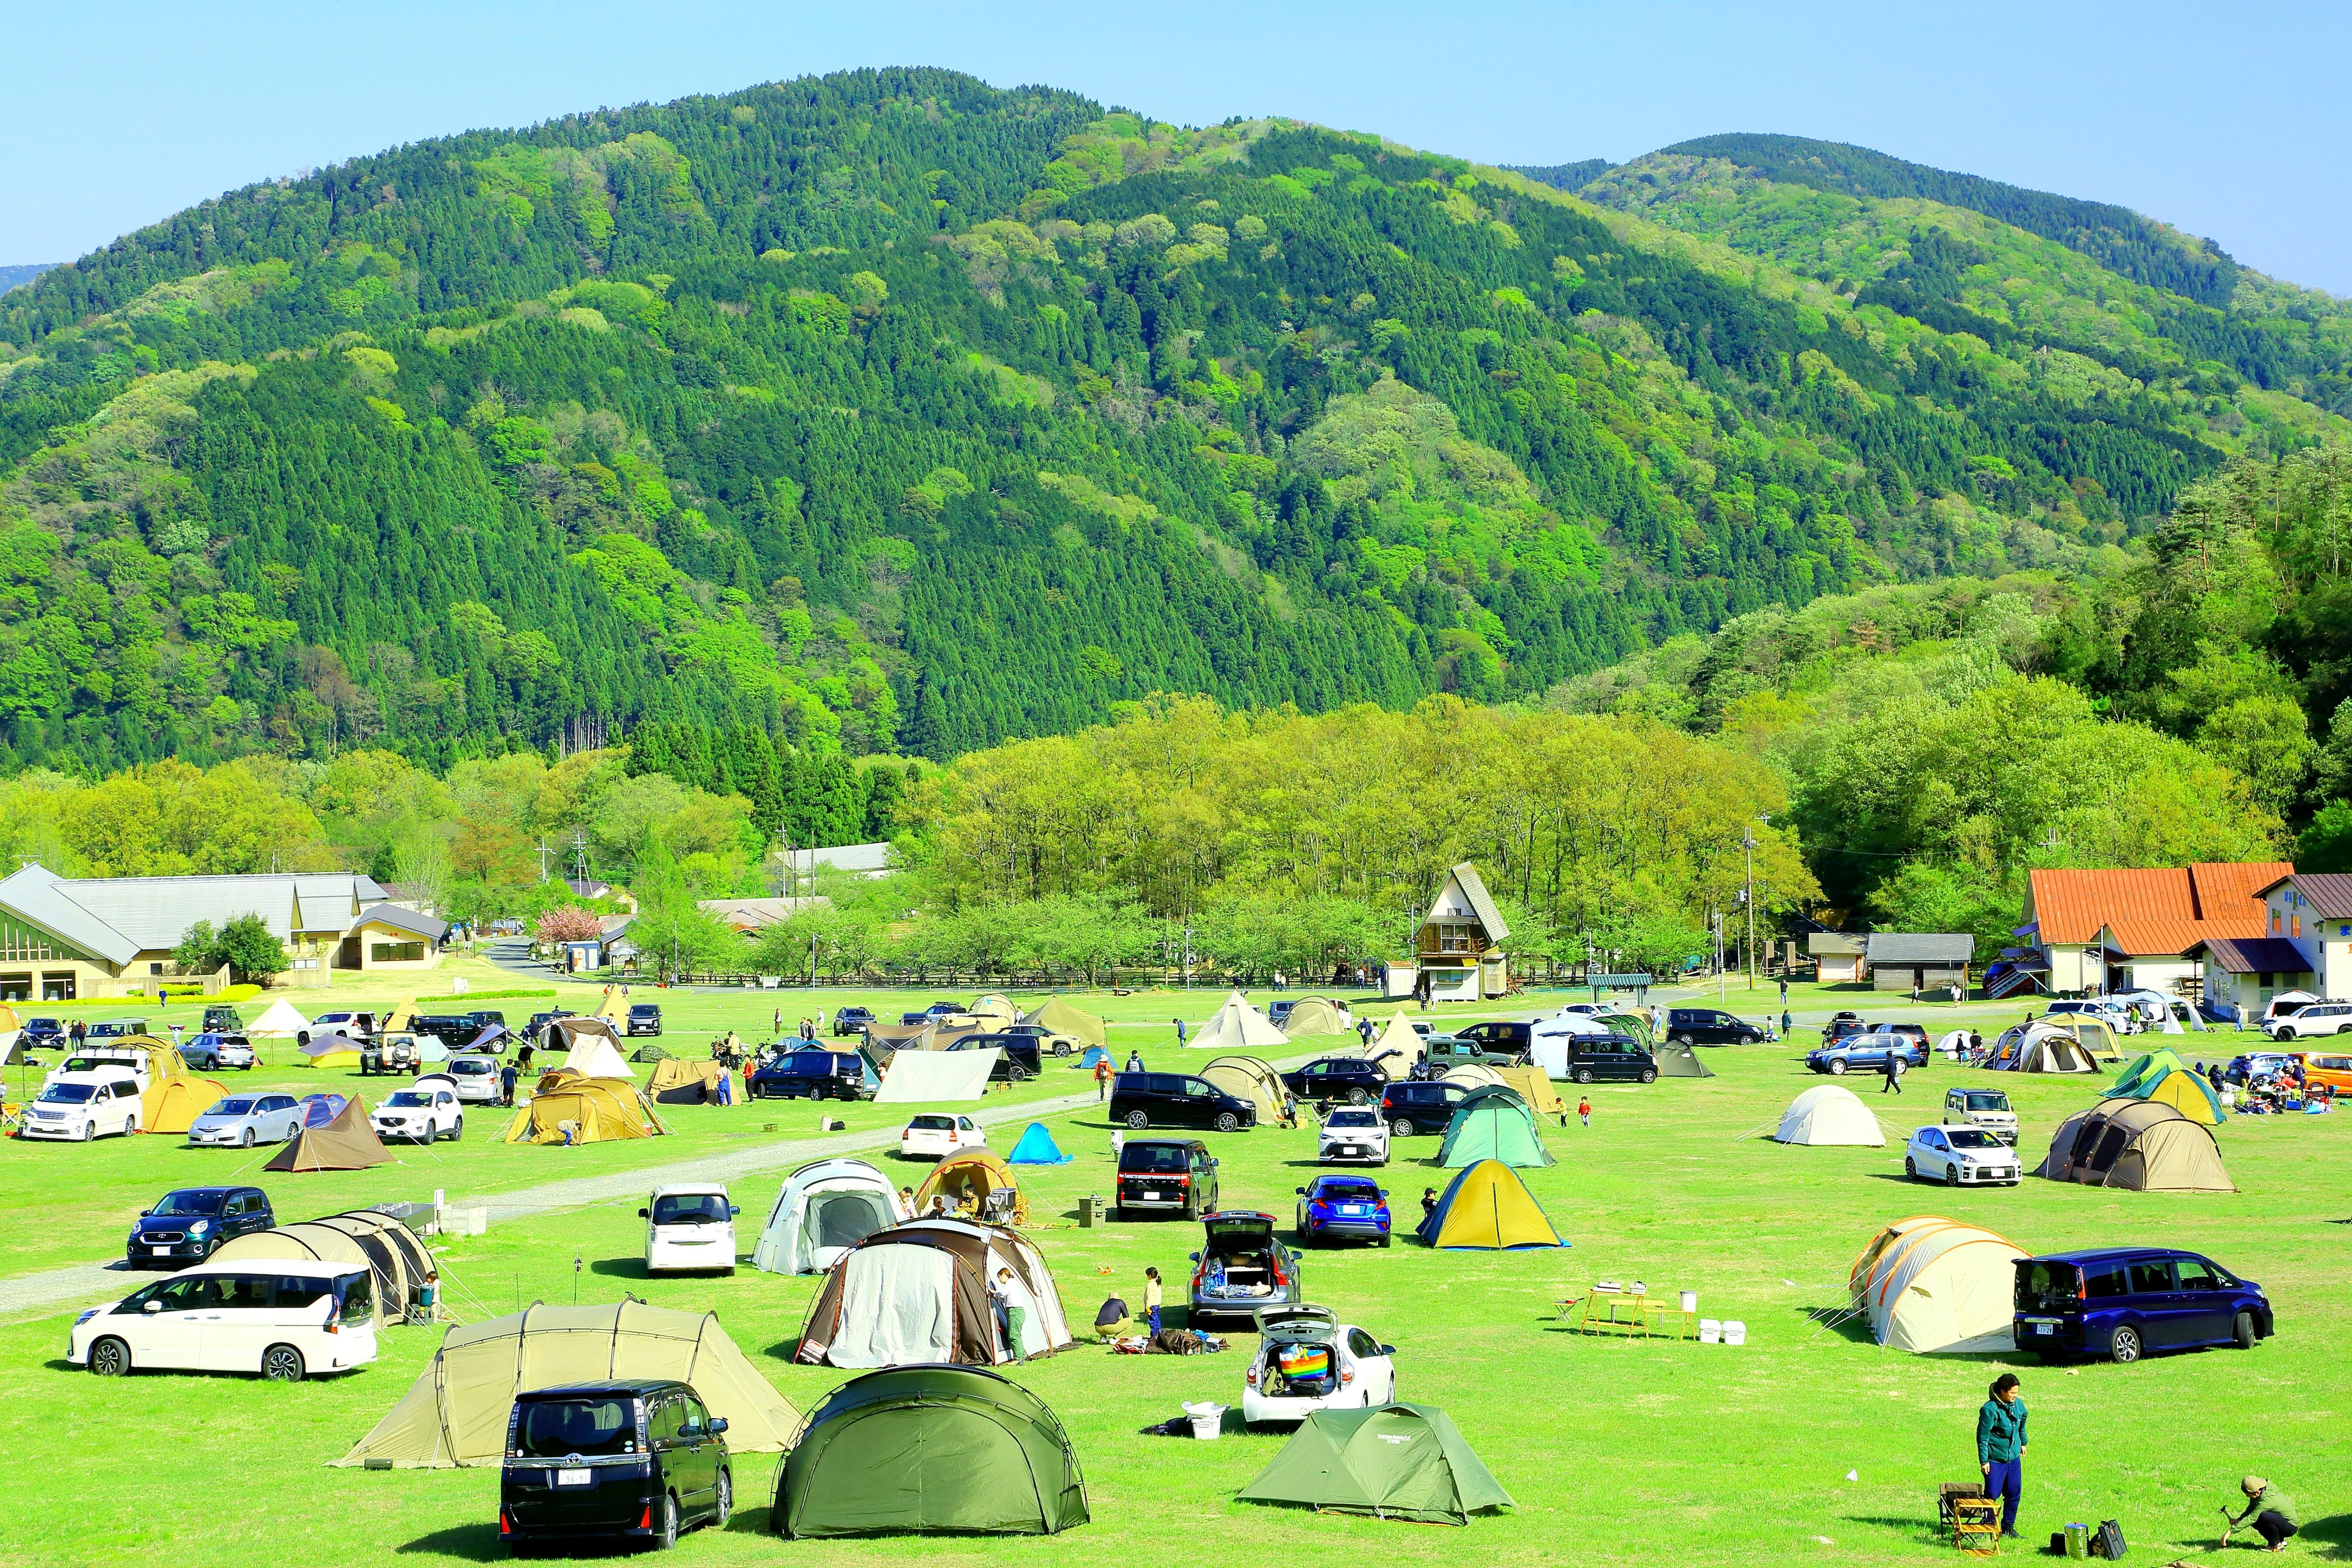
917,1293
1678,1060
1250,1079
1037,1148
2140,1146
1487,1208
2163,1077
1238,1026
1392,1461
172,1104
1936,1286
928,1449
329,1052
1493,1123
2030,1047
975,1177
824,1209
1476,1075
1314,1016
1829,1113
599,1108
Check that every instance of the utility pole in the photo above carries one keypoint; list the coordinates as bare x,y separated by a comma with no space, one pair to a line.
544,850
1720,999
1747,897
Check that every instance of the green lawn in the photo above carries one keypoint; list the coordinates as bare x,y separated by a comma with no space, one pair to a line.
1617,1451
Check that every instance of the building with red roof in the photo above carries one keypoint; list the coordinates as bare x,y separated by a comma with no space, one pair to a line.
2089,931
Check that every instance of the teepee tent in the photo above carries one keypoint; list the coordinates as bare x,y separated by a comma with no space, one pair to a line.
1493,1123
1392,1461
1238,1026
592,1049
1938,1287
341,1142
1314,1015
824,1209
1487,1207
281,1017
400,1020
1679,1060
1247,1078
1063,1018
1829,1113
615,1008
1037,1148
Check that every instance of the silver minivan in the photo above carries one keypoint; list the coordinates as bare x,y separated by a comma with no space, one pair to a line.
284,1318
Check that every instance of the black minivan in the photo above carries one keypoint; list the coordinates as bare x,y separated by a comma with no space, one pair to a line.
816,1074
1017,1060
1143,1099
2122,1302
1708,1027
641,1458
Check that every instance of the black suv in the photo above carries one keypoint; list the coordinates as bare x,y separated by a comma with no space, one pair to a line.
187,1223
482,1018
1141,1099
454,1030
1414,1108
645,1018
1018,1057
853,1020
1609,1058
48,1033
1497,1044
640,1459
222,1021
815,1074
1351,1079
1165,1175
1706,1026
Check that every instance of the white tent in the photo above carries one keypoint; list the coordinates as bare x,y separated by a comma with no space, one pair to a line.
282,1018
2154,1011
930,1076
1954,1044
1828,1114
897,1308
823,1210
594,1050
1935,1286
1238,1026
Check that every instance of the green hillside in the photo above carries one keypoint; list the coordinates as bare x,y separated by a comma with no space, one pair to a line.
890,412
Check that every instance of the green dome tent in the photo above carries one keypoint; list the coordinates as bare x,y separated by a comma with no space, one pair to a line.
1393,1462
2163,1077
1493,1123
931,1450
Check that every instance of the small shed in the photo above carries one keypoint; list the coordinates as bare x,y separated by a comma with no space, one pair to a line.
1837,957
1919,961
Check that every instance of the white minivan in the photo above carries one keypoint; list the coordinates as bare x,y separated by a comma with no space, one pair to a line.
690,1228
283,1319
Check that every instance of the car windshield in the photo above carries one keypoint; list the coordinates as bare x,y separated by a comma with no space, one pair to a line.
1352,1119
1152,1157
231,1108
1349,1193
930,1124
472,1067
1973,1138
690,1208
558,1428
409,1098
1992,1101
188,1203
644,1010
66,1093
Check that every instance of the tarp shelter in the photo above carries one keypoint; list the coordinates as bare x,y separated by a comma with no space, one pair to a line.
1829,1113
455,1412
1037,1148
1474,1075
1936,1286
917,1293
343,1141
1392,1461
824,1209
173,1104
1487,1207
1532,1085
676,1081
1677,1060
599,1108
926,1077
888,1041
1238,1026
2139,1146
1493,1123
592,1049
395,1260
328,1052
1063,1018
978,1179
2163,1077
923,1450
1250,1079
1316,1016
280,1017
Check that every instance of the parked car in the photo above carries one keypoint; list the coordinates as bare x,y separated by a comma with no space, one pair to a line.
425,1112
1164,1175
1586,1009
1410,1108
2310,1022
1708,1027
88,1065
188,1223
1960,1156
210,1052
1308,1361
1842,1025
1017,1058
482,1018
44,1035
937,1135
1278,1011
84,1106
2123,1302
640,1459
1141,1099
645,1018
1338,1207
1987,1108
1495,1045
356,1026
913,1020
455,1030
478,1079
852,1020
244,1120
1333,1078
942,1010
392,1054
815,1074
286,1319
689,1227
2287,1006
1048,1042
1867,1051
114,1029
2333,1069
1354,1135
222,1020
1241,1266
2120,1015
1596,1059
536,1031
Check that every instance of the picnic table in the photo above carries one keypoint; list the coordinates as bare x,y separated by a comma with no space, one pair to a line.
1617,1309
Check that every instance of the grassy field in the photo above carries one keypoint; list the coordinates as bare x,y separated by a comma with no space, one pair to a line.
1616,1451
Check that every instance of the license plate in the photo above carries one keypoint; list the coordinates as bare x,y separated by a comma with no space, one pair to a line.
572,1478
1351,1208
1155,1197
1351,1149
2041,1328
161,1251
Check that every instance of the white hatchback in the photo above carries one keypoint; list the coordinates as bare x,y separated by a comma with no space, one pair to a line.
1354,1135
283,1319
1960,1156
935,1136
1308,1361
83,1106
690,1229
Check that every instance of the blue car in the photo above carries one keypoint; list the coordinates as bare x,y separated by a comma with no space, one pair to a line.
1343,1207
2124,1302
1866,1053
186,1224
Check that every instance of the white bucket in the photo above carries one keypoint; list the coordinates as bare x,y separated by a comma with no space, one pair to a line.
1208,1420
1710,1332
1734,1332
1690,1302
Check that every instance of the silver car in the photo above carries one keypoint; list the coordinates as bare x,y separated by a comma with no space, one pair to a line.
244,1120
477,1078
211,1053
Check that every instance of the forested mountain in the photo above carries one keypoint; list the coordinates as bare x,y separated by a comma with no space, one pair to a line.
16,275
889,412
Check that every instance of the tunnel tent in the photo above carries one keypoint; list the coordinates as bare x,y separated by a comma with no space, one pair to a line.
342,1140
917,1293
1037,1148
1251,1079
395,1260
1637,1024
455,1414
824,1209
979,1177
928,1449
591,1048
1493,1123
1830,1114
1487,1208
1534,1086
676,1081
1392,1461
1318,1015
1062,1017
1238,1026
2139,1145
1682,1060
1938,1287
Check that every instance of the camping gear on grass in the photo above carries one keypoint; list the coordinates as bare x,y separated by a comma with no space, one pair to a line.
1830,1114
825,1208
2162,1077
455,1412
597,1110
979,1181
1250,1079
333,1137
1238,1026
1037,1148
2141,1145
1207,1419
1063,1018
391,1253
917,1293
648,1052
1936,1286
929,1449
1487,1207
1392,1461
1493,1123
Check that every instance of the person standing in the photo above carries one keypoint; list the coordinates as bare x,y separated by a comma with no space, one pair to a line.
1584,1109
2001,1446
507,1075
1102,1078
2270,1510
1151,1297
1134,1060
999,1292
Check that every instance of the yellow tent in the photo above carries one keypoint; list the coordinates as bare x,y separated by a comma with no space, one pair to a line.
615,1008
600,1110
2096,1035
1061,1018
1487,1207
971,1177
1535,1089
163,1057
329,1052
400,1020
1250,1079
172,1104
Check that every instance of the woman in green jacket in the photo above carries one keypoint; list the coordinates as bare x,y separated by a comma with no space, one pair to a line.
2001,1446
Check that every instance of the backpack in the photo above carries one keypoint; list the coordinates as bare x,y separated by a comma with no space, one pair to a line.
2109,1540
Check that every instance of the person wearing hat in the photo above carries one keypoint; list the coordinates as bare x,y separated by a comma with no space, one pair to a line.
2270,1510
2001,1446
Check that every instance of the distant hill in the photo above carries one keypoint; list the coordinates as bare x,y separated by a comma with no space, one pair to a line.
20,274
1564,176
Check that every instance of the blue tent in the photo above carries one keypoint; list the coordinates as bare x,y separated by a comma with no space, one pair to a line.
1036,1148
1093,1055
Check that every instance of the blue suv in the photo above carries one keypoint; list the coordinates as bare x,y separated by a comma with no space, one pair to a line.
1867,1052
188,1224
2123,1302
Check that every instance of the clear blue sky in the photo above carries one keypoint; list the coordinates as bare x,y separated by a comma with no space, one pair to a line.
2228,121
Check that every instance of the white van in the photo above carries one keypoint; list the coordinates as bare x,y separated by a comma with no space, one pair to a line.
282,1319
83,1106
689,1227
90,1066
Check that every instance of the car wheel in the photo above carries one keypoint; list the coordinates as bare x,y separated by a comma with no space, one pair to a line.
1649,1075
1400,1127
2241,1332
457,1130
1951,1176
1358,1097
1584,1075
1384,1238
110,1358
1837,1069
666,1537
1910,1167
1019,1074
1138,1119
1227,1121
283,1363
2124,1346
726,1510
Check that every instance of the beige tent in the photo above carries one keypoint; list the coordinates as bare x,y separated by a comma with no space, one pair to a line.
2096,1035
1238,1026
677,1082
1316,1016
173,1104
2140,1146
1399,1036
600,1110
1826,1114
1936,1286
388,1249
591,1048
347,1141
886,1040
1063,1018
455,1412
2053,1050
614,1008
1248,1078
1474,1075
996,1012
282,1017
1536,1088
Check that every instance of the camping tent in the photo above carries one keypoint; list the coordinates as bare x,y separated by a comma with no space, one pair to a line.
918,1293
281,1017
614,1007
1938,1287
2096,1035
887,1041
328,1052
1396,1035
1487,1207
591,1048
925,1448
339,1139
975,1177
2155,1012
1248,1077
1474,1075
2140,1146
1061,1018
2031,1048
600,1110
11,1030
676,1081
1635,1024
915,1078
1534,1086
648,1052
1829,1113
995,1011
1392,1461
1678,1060
1089,1057
824,1209
1238,1026
455,1412
1314,1015
2163,1077
1037,1148
395,1260
1493,1123
172,1104
400,1020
